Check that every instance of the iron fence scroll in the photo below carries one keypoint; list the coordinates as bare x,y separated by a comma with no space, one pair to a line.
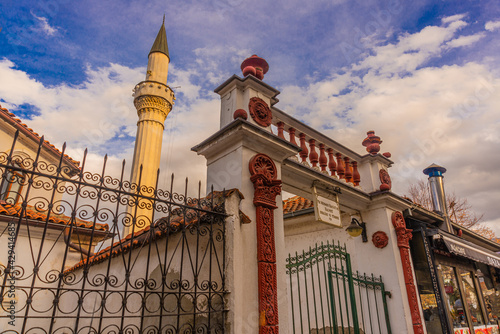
66,267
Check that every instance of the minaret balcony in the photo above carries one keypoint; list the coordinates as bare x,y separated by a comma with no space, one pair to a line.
153,88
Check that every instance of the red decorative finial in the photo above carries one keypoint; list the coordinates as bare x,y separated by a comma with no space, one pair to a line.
372,143
255,66
240,113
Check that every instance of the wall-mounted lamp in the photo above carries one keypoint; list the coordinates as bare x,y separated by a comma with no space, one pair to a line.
355,229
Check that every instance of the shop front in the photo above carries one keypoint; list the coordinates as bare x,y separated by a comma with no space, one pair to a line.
458,280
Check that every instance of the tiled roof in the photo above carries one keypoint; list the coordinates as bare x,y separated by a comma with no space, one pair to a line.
18,124
161,229
296,203
35,214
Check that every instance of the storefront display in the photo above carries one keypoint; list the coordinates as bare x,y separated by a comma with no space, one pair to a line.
458,282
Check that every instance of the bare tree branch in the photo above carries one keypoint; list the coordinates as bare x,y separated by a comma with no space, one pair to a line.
459,209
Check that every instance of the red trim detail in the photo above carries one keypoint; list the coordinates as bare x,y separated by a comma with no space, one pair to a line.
263,174
260,112
404,237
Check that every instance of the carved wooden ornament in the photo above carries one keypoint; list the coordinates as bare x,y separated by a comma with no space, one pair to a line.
404,236
263,174
380,239
260,112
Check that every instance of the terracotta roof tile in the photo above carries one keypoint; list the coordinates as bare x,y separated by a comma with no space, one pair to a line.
35,214
17,123
296,203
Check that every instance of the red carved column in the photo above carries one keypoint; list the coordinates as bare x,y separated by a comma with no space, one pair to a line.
313,156
263,174
291,132
323,161
280,126
348,172
404,237
304,153
331,162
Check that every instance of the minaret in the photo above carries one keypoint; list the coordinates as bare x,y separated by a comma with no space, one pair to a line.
153,100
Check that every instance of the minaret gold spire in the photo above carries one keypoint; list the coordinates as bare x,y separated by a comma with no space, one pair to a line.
153,100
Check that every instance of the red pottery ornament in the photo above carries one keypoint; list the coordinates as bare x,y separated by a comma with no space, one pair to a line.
249,70
385,180
255,66
372,143
240,113
380,239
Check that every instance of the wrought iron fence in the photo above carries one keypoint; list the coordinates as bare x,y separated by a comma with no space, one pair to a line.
327,297
65,266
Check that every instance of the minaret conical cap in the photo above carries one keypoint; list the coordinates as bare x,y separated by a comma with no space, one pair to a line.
160,44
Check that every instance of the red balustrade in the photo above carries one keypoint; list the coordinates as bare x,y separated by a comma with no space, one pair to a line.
323,161
313,155
304,153
291,132
281,126
356,177
347,172
326,161
331,162
340,166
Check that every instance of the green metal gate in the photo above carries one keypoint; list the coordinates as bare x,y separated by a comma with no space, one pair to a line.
327,297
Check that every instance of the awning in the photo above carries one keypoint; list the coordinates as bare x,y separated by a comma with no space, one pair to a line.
469,250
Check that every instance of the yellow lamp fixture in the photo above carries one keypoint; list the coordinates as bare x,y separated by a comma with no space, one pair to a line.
355,229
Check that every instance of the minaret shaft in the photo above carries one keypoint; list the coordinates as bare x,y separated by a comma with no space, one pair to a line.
157,67
153,100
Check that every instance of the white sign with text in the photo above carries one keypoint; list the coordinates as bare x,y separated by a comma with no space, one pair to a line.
327,210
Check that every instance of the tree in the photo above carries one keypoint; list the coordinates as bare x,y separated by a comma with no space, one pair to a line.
459,209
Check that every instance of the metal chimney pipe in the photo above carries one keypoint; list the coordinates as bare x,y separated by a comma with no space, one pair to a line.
435,173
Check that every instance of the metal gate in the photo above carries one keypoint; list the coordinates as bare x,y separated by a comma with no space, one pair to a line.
327,297
65,267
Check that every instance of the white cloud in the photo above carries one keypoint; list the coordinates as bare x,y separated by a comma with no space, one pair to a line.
44,25
447,114
492,25
93,114
453,18
412,50
465,40
86,115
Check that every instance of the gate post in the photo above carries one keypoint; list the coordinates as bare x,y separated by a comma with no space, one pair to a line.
263,176
228,153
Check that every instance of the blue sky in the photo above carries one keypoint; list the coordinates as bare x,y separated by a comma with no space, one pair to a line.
425,75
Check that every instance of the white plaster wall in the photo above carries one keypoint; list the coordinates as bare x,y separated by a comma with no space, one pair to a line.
387,263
